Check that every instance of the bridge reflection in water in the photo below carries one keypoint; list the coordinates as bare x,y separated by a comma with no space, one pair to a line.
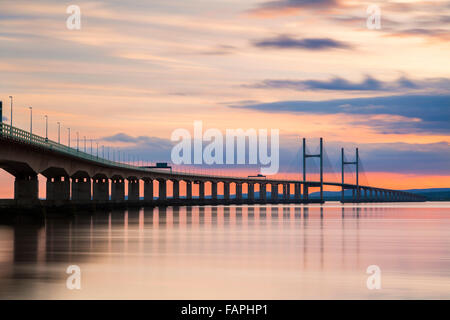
272,251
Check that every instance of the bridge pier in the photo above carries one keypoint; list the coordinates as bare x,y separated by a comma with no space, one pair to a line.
176,189
305,192
81,187
26,187
251,191
366,195
148,189
133,189
188,189
117,189
162,189
201,190
239,191
274,191
58,188
262,192
226,190
101,188
297,191
214,190
285,191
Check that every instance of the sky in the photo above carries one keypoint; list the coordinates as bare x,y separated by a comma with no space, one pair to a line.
138,70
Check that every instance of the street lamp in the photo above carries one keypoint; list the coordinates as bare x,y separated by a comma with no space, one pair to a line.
97,149
46,128
31,121
78,141
68,141
11,97
84,143
59,130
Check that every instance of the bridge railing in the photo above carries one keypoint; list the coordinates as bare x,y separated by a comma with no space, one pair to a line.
13,133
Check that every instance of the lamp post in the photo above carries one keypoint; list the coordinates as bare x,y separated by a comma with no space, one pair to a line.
68,141
31,121
11,97
46,128
91,146
84,143
78,141
59,132
97,149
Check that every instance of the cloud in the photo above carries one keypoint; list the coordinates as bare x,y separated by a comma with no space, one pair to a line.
391,114
153,149
288,42
395,157
442,34
432,158
219,50
340,84
275,7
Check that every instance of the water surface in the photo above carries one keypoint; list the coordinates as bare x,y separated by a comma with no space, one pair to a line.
232,252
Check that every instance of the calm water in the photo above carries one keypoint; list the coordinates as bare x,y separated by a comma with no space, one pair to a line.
237,252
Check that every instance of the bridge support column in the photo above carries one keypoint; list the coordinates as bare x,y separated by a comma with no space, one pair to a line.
148,189
285,191
188,189
238,191
226,190
26,187
262,192
305,192
214,190
274,191
176,189
201,190
297,191
162,189
58,188
117,189
251,191
133,189
81,188
101,189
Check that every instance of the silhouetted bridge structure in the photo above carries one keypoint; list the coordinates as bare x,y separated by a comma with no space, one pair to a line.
75,177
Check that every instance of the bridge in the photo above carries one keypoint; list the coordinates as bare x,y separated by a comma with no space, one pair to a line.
76,177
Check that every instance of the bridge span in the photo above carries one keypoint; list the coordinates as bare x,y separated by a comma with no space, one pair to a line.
77,177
